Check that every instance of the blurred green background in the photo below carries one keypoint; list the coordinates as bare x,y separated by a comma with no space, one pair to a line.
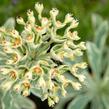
81,9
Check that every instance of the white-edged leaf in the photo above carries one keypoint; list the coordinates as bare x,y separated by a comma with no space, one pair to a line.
101,34
36,92
63,101
97,104
96,20
79,102
10,24
94,57
6,100
106,102
23,102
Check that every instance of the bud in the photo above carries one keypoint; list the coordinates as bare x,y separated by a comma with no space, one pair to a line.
20,20
9,61
74,23
16,42
74,69
76,85
82,46
53,13
16,57
13,74
44,21
28,28
71,44
81,77
26,93
50,102
26,84
37,70
39,8
31,17
68,18
56,99
4,43
17,87
28,75
39,29
75,35
59,24
53,72
14,33
4,71
7,49
83,65
78,52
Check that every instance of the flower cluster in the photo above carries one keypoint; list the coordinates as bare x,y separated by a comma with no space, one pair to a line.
37,58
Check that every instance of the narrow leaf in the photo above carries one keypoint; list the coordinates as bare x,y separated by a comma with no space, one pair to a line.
79,102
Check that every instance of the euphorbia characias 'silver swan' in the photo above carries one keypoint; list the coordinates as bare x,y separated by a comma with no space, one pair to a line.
39,57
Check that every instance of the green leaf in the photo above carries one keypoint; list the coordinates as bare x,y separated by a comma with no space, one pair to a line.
101,34
96,21
64,101
36,92
0,99
79,102
10,24
106,102
106,75
97,104
11,100
23,102
94,57
6,100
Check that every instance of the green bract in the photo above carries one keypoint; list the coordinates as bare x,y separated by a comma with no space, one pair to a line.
35,60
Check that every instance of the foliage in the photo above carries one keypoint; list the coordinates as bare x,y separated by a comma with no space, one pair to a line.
95,93
37,59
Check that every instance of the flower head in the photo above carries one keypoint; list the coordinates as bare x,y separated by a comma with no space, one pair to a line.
39,57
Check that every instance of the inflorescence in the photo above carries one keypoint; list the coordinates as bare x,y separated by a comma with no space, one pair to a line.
36,57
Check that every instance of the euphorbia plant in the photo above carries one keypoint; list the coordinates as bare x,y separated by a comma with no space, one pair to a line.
95,91
37,59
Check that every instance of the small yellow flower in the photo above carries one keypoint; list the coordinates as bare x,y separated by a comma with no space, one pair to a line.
39,29
16,42
26,93
37,70
17,88
13,74
26,84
